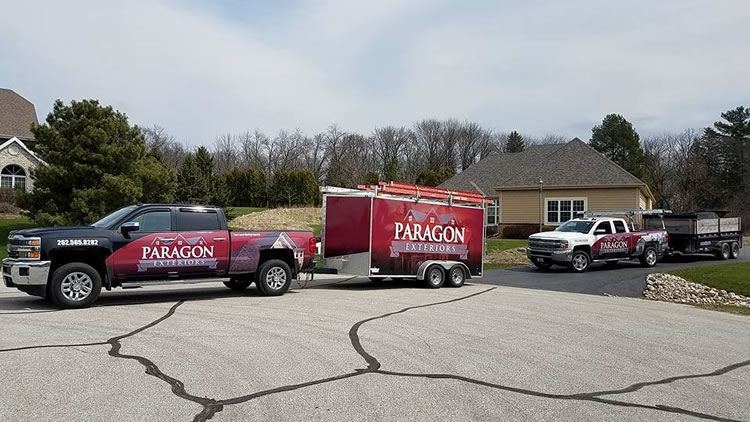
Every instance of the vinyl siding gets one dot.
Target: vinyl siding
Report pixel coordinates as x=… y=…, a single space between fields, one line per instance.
x=522 y=206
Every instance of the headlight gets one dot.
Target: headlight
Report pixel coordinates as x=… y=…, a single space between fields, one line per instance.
x=24 y=247
x=563 y=244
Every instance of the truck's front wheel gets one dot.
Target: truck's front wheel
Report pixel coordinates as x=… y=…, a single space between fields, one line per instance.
x=274 y=278
x=580 y=261
x=75 y=285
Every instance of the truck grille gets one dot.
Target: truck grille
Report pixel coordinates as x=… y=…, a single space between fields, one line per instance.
x=548 y=244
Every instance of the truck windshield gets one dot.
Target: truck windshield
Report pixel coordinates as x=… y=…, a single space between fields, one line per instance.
x=576 y=226
x=109 y=219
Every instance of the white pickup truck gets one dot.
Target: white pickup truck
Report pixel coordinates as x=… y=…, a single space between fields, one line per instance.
x=579 y=242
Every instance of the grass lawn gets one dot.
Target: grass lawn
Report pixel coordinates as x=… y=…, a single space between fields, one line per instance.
x=234 y=212
x=316 y=229
x=499 y=245
x=6 y=225
x=742 y=310
x=495 y=266
x=730 y=277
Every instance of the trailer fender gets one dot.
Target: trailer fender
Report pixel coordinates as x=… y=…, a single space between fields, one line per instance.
x=447 y=265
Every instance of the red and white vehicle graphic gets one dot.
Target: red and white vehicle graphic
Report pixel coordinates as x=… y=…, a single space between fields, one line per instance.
x=579 y=242
x=404 y=231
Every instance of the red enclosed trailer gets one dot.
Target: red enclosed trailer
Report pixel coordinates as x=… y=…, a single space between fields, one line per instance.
x=400 y=230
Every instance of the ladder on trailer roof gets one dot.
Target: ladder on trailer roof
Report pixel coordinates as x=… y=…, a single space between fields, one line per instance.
x=625 y=212
x=426 y=192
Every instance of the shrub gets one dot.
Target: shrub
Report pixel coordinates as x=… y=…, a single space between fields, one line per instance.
x=522 y=231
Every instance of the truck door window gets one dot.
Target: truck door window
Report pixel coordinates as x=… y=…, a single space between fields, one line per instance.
x=604 y=225
x=619 y=226
x=154 y=221
x=197 y=220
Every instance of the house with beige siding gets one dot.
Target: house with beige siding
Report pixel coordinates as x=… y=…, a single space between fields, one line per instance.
x=550 y=184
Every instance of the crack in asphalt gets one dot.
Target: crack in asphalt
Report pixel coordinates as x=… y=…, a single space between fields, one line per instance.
x=213 y=406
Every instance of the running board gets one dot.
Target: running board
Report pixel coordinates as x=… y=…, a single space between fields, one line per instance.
x=134 y=284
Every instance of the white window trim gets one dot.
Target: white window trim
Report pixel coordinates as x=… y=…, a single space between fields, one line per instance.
x=497 y=215
x=546 y=204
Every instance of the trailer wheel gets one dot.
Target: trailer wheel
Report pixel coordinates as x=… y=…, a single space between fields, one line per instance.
x=75 y=285
x=435 y=277
x=456 y=276
x=580 y=262
x=239 y=284
x=735 y=250
x=274 y=278
x=725 y=252
x=649 y=257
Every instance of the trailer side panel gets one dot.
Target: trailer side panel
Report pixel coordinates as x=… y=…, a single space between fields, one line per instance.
x=407 y=233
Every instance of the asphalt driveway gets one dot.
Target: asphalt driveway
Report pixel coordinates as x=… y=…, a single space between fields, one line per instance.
x=628 y=278
x=357 y=351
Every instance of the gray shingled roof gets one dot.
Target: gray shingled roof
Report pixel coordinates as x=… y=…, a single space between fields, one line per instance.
x=574 y=163
x=16 y=115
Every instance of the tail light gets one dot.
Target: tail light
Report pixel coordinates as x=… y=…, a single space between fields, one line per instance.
x=313 y=245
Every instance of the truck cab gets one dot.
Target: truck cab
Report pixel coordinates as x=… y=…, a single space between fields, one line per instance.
x=579 y=242
x=149 y=244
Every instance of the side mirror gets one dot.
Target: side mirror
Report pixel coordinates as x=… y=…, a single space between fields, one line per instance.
x=130 y=226
x=600 y=231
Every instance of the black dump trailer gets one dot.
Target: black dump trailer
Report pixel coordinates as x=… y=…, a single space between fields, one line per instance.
x=700 y=232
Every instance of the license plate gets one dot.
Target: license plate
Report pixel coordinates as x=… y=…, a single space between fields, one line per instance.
x=540 y=260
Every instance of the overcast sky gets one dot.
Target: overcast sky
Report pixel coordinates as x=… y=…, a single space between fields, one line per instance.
x=539 y=67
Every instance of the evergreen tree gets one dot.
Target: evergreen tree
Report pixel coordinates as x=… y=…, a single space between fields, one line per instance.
x=515 y=142
x=193 y=186
x=434 y=177
x=96 y=162
x=617 y=140
x=727 y=145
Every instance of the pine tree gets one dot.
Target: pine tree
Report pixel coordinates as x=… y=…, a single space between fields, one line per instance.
x=617 y=140
x=515 y=142
x=96 y=162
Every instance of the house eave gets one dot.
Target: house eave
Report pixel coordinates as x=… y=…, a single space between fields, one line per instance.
x=642 y=186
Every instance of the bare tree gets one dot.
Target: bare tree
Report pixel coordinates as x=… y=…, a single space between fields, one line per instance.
x=315 y=157
x=160 y=143
x=388 y=146
x=225 y=153
x=472 y=142
x=252 y=149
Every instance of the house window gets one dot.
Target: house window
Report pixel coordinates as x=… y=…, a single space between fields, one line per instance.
x=493 y=213
x=13 y=177
x=560 y=210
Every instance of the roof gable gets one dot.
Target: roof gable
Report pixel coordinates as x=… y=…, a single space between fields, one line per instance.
x=16 y=115
x=23 y=146
x=573 y=163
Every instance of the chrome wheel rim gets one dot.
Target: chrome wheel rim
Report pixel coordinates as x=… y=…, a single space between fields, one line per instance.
x=580 y=262
x=76 y=286
x=276 y=278
x=436 y=276
x=457 y=276
x=725 y=251
x=651 y=257
x=735 y=249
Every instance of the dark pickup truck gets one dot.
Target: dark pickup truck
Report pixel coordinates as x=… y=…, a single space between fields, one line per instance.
x=150 y=244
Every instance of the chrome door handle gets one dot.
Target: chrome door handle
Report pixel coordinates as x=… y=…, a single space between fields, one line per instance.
x=220 y=239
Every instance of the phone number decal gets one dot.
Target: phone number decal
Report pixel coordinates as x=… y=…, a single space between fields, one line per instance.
x=77 y=242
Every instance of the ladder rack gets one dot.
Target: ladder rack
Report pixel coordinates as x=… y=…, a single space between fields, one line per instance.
x=625 y=212
x=426 y=192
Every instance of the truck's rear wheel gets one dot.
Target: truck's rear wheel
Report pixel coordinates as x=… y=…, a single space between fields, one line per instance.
x=75 y=285
x=456 y=277
x=239 y=284
x=580 y=261
x=725 y=252
x=434 y=277
x=649 y=257
x=735 y=250
x=274 y=278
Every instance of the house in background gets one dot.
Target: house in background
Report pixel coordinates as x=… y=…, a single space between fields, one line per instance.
x=16 y=158
x=574 y=178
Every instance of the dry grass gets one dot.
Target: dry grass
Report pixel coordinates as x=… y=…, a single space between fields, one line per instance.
x=280 y=218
